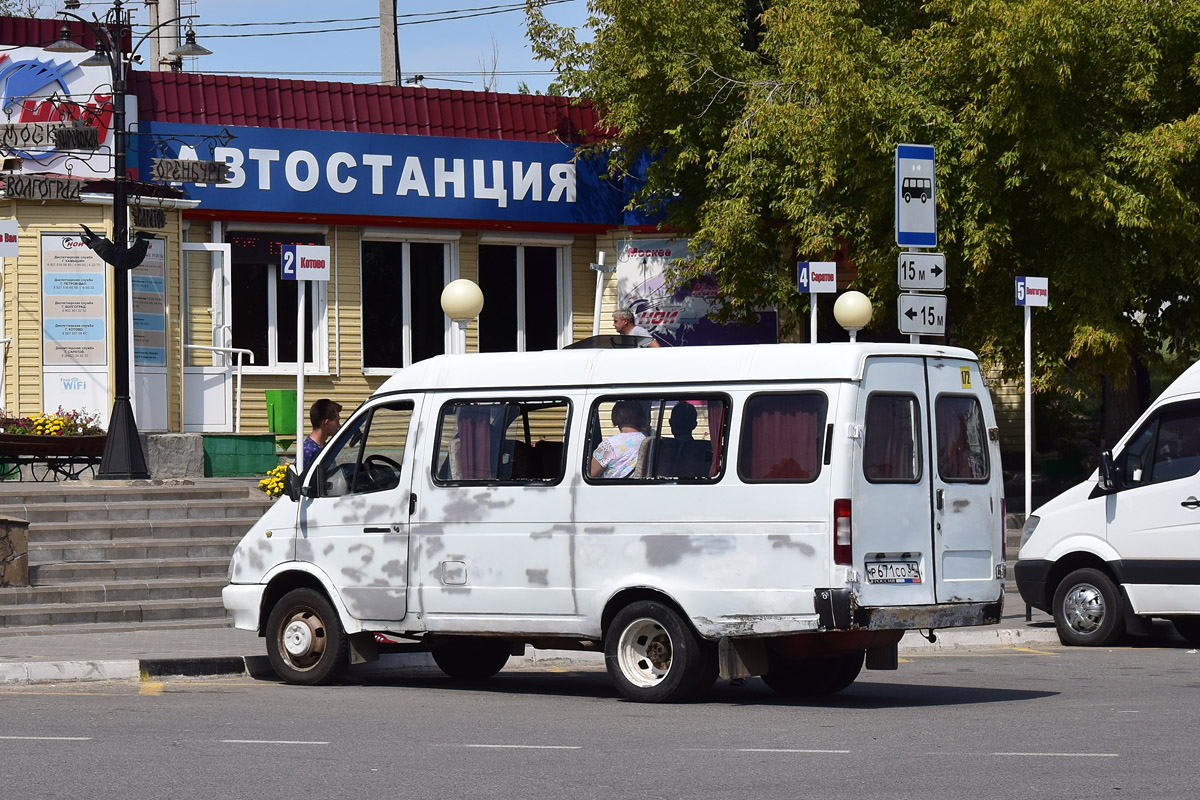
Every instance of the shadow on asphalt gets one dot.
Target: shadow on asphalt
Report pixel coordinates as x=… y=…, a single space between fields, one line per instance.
x=594 y=685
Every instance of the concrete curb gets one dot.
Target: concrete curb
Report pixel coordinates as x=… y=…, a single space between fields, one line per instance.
x=422 y=664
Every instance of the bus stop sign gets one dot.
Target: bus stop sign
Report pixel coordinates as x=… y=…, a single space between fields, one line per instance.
x=916 y=196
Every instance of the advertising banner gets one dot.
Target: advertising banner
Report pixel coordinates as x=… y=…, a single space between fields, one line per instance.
x=149 y=304
x=679 y=316
x=74 y=326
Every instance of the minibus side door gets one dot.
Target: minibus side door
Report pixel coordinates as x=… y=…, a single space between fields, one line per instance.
x=355 y=525
x=967 y=490
x=891 y=515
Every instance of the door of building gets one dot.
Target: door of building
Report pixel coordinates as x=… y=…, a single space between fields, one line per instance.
x=207 y=370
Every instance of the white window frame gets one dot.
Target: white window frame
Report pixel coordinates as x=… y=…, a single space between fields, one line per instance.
x=317 y=290
x=450 y=272
x=562 y=244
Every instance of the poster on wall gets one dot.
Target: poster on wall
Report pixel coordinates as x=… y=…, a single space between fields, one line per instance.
x=149 y=309
x=681 y=315
x=74 y=326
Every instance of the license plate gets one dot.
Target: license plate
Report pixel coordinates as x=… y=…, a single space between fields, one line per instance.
x=893 y=572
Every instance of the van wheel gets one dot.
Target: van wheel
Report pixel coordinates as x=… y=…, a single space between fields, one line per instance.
x=471 y=659
x=305 y=640
x=653 y=655
x=1188 y=628
x=816 y=677
x=1088 y=610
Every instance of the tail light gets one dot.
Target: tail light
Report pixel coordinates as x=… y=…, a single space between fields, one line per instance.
x=1003 y=530
x=843 y=537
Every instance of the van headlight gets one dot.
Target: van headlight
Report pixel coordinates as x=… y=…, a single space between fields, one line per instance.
x=1030 y=526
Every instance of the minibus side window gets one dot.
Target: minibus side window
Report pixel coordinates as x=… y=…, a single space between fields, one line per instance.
x=962 y=449
x=1167 y=449
x=892 y=439
x=367 y=454
x=676 y=438
x=782 y=438
x=502 y=441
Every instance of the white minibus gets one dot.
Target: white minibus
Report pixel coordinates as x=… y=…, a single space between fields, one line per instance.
x=787 y=511
x=1109 y=555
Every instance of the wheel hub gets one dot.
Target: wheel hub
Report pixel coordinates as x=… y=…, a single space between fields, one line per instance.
x=298 y=638
x=1084 y=608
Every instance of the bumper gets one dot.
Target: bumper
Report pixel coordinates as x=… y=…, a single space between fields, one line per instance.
x=1030 y=576
x=243 y=601
x=836 y=610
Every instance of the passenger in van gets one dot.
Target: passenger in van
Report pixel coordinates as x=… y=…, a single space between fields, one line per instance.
x=326 y=417
x=617 y=456
x=683 y=456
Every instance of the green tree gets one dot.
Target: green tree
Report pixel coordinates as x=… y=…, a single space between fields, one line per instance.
x=1066 y=131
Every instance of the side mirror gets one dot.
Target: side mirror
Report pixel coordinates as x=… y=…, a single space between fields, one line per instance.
x=291 y=483
x=1110 y=473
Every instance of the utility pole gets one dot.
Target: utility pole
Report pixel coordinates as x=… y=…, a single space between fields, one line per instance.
x=389 y=46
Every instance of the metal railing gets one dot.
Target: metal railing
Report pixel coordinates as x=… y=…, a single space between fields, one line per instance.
x=233 y=351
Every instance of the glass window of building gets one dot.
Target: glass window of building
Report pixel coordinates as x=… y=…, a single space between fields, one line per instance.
x=523 y=288
x=402 y=319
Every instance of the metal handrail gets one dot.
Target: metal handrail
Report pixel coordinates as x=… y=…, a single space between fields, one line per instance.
x=239 y=352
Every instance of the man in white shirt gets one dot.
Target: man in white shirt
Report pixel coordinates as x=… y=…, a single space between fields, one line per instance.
x=623 y=323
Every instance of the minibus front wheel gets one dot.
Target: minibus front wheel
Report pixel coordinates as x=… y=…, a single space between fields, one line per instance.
x=305 y=640
x=654 y=656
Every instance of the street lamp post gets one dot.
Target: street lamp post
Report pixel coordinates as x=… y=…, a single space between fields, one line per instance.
x=123 y=456
x=462 y=301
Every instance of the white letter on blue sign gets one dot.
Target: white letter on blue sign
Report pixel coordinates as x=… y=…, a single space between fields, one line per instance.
x=376 y=163
x=496 y=191
x=312 y=171
x=457 y=176
x=335 y=180
x=233 y=162
x=526 y=180
x=562 y=178
x=412 y=179
x=264 y=159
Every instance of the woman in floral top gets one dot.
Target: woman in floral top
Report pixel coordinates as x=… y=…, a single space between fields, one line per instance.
x=617 y=456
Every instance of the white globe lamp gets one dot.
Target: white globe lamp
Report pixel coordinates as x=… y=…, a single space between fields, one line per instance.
x=852 y=311
x=462 y=300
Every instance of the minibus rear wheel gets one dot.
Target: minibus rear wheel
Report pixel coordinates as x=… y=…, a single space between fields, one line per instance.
x=653 y=655
x=814 y=677
x=1087 y=609
x=305 y=640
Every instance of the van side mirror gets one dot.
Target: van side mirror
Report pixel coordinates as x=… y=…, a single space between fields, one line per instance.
x=291 y=483
x=1110 y=473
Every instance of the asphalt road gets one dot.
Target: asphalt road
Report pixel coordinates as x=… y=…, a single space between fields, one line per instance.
x=999 y=723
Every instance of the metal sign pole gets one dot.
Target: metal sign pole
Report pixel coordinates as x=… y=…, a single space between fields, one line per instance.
x=813 y=322
x=1028 y=412
x=300 y=302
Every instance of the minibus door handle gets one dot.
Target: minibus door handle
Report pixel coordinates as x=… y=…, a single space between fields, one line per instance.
x=1191 y=502
x=941 y=499
x=412 y=503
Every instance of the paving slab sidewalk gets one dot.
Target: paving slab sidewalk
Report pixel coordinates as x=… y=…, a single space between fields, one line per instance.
x=41 y=655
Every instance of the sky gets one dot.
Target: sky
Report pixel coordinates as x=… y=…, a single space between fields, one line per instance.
x=451 y=54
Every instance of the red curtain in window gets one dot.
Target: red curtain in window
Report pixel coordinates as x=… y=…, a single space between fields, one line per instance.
x=783 y=440
x=474 y=442
x=716 y=424
x=888 y=450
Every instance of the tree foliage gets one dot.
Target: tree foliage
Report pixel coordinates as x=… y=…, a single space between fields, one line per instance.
x=1066 y=131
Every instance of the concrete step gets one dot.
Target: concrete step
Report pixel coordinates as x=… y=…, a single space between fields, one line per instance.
x=134 y=510
x=116 y=611
x=128 y=570
x=100 y=492
x=138 y=530
x=101 y=592
x=116 y=627
x=125 y=549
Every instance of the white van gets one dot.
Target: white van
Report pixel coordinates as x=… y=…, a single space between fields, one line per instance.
x=1107 y=556
x=775 y=510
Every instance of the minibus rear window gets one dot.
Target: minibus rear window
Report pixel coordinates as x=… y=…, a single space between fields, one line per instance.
x=892 y=440
x=782 y=438
x=962 y=445
x=502 y=441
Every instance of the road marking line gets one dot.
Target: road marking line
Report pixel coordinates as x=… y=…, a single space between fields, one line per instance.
x=785 y=750
x=46 y=738
x=1035 y=652
x=266 y=741
x=151 y=689
x=1062 y=755
x=521 y=746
